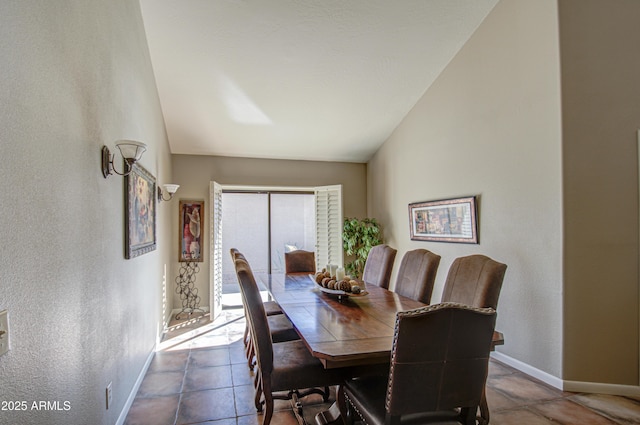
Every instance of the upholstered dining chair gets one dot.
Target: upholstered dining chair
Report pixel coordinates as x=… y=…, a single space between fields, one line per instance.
x=377 y=268
x=439 y=367
x=475 y=280
x=281 y=328
x=284 y=367
x=417 y=274
x=271 y=307
x=300 y=261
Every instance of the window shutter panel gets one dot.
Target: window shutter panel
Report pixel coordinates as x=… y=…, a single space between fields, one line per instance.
x=329 y=223
x=215 y=254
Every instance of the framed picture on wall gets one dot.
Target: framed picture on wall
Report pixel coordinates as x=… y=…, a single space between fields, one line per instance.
x=191 y=230
x=448 y=220
x=140 y=212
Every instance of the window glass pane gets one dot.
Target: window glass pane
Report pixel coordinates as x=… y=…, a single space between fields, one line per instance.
x=292 y=226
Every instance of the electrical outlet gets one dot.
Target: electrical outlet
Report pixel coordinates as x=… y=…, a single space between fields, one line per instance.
x=4 y=332
x=109 y=396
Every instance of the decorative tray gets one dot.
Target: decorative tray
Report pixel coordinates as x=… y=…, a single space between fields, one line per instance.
x=337 y=292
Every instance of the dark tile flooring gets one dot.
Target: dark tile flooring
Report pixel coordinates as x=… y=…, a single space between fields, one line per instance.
x=199 y=376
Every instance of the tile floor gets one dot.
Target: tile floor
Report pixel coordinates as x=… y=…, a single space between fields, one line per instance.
x=199 y=376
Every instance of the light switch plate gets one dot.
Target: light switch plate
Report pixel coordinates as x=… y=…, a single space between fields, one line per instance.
x=4 y=327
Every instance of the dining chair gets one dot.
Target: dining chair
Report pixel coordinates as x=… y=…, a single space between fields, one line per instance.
x=475 y=280
x=439 y=367
x=417 y=274
x=281 y=328
x=377 y=268
x=300 y=261
x=284 y=367
x=271 y=307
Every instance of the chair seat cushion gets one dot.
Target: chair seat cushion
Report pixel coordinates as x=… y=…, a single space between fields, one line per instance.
x=281 y=329
x=272 y=308
x=295 y=368
x=367 y=396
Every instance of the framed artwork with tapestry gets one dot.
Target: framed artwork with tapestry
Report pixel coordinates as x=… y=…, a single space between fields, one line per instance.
x=448 y=220
x=140 y=212
x=191 y=226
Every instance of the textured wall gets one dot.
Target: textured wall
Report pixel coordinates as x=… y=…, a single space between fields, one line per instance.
x=75 y=75
x=194 y=172
x=601 y=115
x=490 y=126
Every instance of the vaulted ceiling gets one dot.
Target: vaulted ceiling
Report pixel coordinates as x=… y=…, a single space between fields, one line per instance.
x=298 y=79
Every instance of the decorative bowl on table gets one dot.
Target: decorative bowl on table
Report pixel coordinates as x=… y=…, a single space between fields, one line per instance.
x=345 y=287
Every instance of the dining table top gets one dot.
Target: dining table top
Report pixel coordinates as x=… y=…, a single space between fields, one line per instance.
x=342 y=331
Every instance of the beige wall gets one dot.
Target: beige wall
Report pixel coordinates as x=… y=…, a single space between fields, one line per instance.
x=601 y=115
x=490 y=126
x=193 y=173
x=75 y=75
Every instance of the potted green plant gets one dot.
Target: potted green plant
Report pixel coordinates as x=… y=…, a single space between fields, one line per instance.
x=359 y=236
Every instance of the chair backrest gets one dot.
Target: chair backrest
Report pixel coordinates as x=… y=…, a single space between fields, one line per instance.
x=235 y=254
x=417 y=274
x=300 y=261
x=260 y=332
x=440 y=358
x=377 y=268
x=475 y=280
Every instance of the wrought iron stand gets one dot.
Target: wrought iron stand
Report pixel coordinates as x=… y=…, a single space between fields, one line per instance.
x=186 y=288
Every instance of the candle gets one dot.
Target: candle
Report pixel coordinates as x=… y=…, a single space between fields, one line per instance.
x=339 y=273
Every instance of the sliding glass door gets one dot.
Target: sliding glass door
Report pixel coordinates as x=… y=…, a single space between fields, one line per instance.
x=264 y=224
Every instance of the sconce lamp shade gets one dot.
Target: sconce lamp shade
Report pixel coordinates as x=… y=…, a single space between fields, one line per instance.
x=131 y=150
x=171 y=188
x=168 y=188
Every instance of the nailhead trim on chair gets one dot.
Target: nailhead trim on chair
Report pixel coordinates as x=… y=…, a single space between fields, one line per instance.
x=355 y=409
x=444 y=305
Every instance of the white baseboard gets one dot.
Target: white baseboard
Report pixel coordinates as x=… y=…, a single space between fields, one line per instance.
x=134 y=390
x=529 y=370
x=571 y=386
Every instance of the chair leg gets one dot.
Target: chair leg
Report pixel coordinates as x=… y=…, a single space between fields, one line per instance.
x=297 y=407
x=484 y=410
x=468 y=415
x=268 y=403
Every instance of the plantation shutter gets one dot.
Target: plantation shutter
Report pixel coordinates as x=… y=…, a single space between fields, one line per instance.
x=329 y=226
x=215 y=253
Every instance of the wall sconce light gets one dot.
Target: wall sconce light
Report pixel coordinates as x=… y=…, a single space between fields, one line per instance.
x=130 y=150
x=168 y=188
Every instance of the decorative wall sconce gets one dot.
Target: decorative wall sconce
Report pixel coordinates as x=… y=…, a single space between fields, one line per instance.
x=130 y=150
x=168 y=188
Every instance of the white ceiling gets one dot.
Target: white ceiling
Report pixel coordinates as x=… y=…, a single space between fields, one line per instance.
x=298 y=79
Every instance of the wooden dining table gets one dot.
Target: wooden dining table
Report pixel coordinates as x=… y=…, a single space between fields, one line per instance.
x=342 y=331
